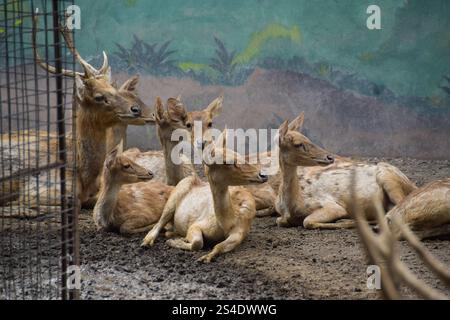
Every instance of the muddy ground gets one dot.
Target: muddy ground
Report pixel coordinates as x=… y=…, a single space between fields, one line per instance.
x=273 y=263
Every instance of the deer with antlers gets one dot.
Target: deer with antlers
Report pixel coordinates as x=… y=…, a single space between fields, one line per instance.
x=128 y=202
x=317 y=197
x=100 y=106
x=382 y=248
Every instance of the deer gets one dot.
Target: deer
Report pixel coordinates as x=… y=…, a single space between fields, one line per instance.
x=100 y=106
x=128 y=201
x=168 y=119
x=426 y=211
x=317 y=197
x=382 y=250
x=220 y=210
x=177 y=117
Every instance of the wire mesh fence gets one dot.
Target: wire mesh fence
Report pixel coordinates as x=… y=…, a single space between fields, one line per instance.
x=38 y=215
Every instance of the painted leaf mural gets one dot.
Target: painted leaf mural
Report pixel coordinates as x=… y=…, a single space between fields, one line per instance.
x=273 y=59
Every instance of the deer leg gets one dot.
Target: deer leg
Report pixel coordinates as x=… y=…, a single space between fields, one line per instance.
x=233 y=240
x=134 y=226
x=265 y=212
x=166 y=217
x=192 y=242
x=325 y=218
x=170 y=234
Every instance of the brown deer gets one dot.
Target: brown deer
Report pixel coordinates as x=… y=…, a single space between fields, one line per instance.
x=426 y=210
x=383 y=251
x=219 y=211
x=317 y=197
x=174 y=117
x=127 y=201
x=100 y=105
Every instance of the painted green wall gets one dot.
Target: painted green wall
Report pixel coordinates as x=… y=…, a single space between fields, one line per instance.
x=409 y=55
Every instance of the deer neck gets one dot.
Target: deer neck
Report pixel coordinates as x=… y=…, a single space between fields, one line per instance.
x=289 y=188
x=174 y=172
x=223 y=207
x=91 y=146
x=106 y=202
x=116 y=134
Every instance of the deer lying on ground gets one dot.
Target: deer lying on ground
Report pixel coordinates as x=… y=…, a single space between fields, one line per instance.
x=318 y=197
x=100 y=106
x=177 y=117
x=426 y=210
x=167 y=121
x=383 y=251
x=218 y=211
x=125 y=202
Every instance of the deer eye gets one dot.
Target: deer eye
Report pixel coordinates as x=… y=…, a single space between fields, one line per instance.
x=127 y=166
x=99 y=98
x=300 y=146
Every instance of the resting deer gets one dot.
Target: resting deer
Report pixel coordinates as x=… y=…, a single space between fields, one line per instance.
x=125 y=202
x=318 y=197
x=174 y=117
x=383 y=251
x=219 y=211
x=100 y=106
x=426 y=210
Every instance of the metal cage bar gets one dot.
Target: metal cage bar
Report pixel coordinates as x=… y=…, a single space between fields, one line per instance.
x=39 y=242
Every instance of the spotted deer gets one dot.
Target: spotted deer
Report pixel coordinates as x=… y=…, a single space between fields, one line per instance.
x=100 y=105
x=220 y=211
x=426 y=211
x=317 y=197
x=128 y=202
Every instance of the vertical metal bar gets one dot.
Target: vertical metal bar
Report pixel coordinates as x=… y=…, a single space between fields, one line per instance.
x=61 y=146
x=75 y=206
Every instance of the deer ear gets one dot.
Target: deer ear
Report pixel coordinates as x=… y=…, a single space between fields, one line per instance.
x=130 y=84
x=209 y=154
x=111 y=157
x=283 y=129
x=107 y=74
x=176 y=110
x=80 y=87
x=297 y=123
x=159 y=110
x=222 y=139
x=215 y=107
x=119 y=147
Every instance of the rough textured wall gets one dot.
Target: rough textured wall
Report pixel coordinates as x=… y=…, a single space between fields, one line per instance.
x=365 y=92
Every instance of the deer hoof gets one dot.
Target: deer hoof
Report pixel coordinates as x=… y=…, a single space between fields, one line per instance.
x=207 y=258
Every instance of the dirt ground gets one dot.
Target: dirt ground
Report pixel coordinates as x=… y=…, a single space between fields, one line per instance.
x=272 y=263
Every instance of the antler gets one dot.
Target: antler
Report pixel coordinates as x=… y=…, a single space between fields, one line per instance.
x=382 y=250
x=39 y=60
x=67 y=35
x=89 y=70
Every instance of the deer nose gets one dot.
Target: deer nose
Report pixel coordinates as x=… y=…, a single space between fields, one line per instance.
x=135 y=110
x=263 y=177
x=330 y=158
